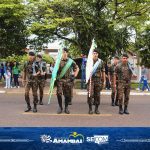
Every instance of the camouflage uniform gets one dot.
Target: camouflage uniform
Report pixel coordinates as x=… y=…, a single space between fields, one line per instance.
x=41 y=80
x=65 y=84
x=114 y=94
x=94 y=87
x=31 y=82
x=124 y=75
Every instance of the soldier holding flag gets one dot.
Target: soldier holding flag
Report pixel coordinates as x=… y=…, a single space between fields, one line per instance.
x=95 y=82
x=67 y=72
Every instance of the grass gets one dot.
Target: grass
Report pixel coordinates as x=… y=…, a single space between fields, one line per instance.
x=78 y=85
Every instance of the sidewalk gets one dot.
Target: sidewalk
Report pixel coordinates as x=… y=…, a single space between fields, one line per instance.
x=75 y=91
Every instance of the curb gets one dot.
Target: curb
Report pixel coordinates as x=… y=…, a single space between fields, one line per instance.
x=1 y=92
x=79 y=93
x=109 y=93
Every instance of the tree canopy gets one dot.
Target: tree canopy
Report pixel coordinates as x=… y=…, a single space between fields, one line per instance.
x=13 y=33
x=76 y=22
x=79 y=22
x=142 y=46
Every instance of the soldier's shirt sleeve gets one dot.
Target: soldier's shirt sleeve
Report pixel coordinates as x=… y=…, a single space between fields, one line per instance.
x=75 y=66
x=37 y=67
x=24 y=67
x=116 y=70
x=109 y=69
x=103 y=67
x=44 y=67
x=113 y=69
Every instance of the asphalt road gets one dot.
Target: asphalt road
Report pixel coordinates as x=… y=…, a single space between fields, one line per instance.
x=12 y=113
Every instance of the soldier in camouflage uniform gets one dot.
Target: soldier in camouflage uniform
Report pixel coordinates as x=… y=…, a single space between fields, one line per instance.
x=41 y=77
x=31 y=72
x=95 y=84
x=64 y=84
x=124 y=73
x=111 y=72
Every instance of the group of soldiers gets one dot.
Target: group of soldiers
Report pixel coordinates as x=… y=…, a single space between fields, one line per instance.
x=34 y=77
x=120 y=74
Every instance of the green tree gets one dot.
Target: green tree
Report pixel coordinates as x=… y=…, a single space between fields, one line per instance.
x=79 y=22
x=143 y=47
x=13 y=33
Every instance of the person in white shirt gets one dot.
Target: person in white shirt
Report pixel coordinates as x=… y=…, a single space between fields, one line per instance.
x=7 y=75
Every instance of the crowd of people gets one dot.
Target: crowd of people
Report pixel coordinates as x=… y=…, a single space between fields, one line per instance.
x=9 y=73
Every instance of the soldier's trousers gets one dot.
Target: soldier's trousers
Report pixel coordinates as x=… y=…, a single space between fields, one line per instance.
x=34 y=87
x=124 y=92
x=114 y=93
x=41 y=85
x=64 y=87
x=72 y=84
x=94 y=89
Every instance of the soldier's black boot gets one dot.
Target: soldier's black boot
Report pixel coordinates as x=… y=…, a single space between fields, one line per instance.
x=28 y=108
x=90 y=109
x=37 y=101
x=96 y=110
x=41 y=102
x=112 y=102
x=67 y=110
x=60 y=109
x=126 y=110
x=66 y=105
x=120 y=110
x=70 y=101
x=35 y=108
x=116 y=102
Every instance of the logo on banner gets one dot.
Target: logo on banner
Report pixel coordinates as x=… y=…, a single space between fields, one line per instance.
x=98 y=139
x=46 y=139
x=73 y=138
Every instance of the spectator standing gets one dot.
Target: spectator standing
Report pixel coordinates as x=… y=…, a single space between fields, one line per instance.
x=16 y=71
x=143 y=78
x=107 y=66
x=8 y=78
x=2 y=71
x=83 y=76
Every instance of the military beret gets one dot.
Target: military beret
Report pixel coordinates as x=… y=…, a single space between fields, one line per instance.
x=65 y=49
x=125 y=55
x=39 y=56
x=117 y=57
x=31 y=53
x=95 y=50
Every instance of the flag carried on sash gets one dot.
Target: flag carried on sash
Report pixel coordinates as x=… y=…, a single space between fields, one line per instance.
x=66 y=67
x=54 y=73
x=89 y=64
x=98 y=62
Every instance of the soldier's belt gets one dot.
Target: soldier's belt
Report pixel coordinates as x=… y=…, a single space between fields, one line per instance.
x=32 y=81
x=124 y=81
x=41 y=78
x=96 y=77
x=64 y=80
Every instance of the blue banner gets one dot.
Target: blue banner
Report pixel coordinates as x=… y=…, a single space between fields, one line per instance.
x=74 y=138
